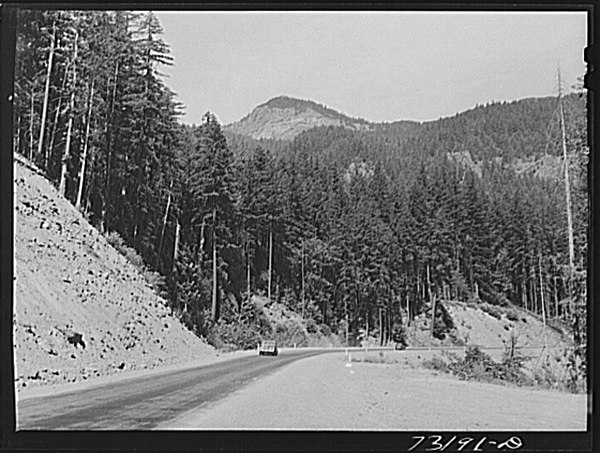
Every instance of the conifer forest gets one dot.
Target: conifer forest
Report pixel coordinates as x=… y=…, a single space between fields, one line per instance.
x=353 y=229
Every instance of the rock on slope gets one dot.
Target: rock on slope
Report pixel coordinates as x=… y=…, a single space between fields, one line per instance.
x=69 y=281
x=283 y=118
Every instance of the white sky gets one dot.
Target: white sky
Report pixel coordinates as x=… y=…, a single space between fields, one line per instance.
x=381 y=66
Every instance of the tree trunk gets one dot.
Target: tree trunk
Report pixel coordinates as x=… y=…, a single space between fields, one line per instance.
x=556 y=311
x=408 y=314
x=55 y=124
x=432 y=298
x=533 y=291
x=31 y=127
x=381 y=329
x=568 y=199
x=200 y=251
x=248 y=270
x=85 y=149
x=347 y=320
x=270 y=262
x=176 y=246
x=302 y=267
x=109 y=154
x=215 y=301
x=45 y=103
x=390 y=325
x=62 y=189
x=542 y=299
x=164 y=226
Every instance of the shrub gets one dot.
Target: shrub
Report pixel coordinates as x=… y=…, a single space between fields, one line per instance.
x=477 y=365
x=154 y=279
x=436 y=363
x=115 y=239
x=379 y=357
x=311 y=326
x=230 y=336
x=565 y=372
x=325 y=330
x=491 y=310
x=576 y=359
x=289 y=333
x=511 y=369
x=157 y=282
x=512 y=314
x=459 y=341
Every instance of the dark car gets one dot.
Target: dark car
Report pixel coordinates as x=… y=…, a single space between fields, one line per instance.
x=268 y=347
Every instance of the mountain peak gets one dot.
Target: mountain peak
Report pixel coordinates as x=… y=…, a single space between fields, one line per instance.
x=283 y=101
x=284 y=117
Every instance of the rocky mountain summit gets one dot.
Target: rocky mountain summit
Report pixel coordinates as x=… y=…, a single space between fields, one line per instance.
x=285 y=117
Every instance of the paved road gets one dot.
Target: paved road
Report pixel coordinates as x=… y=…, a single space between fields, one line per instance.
x=146 y=402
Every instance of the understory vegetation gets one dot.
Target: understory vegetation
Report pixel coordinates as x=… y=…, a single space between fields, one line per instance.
x=563 y=372
x=353 y=231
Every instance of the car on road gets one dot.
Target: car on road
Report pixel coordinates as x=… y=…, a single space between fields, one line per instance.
x=268 y=347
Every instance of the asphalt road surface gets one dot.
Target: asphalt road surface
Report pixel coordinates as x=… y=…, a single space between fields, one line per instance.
x=145 y=402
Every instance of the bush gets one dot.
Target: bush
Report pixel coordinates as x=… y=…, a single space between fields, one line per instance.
x=231 y=336
x=566 y=372
x=491 y=310
x=371 y=357
x=459 y=341
x=479 y=366
x=436 y=363
x=475 y=365
x=512 y=315
x=289 y=333
x=325 y=330
x=311 y=326
x=115 y=239
x=157 y=282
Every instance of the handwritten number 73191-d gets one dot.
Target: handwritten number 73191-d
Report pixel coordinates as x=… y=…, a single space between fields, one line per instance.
x=456 y=443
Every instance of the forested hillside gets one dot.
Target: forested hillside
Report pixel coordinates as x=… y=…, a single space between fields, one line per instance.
x=353 y=229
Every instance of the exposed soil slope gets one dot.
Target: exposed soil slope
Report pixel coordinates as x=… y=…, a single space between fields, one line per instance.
x=71 y=289
x=474 y=326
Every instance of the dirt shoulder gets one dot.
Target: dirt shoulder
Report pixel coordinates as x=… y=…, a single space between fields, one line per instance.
x=329 y=393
